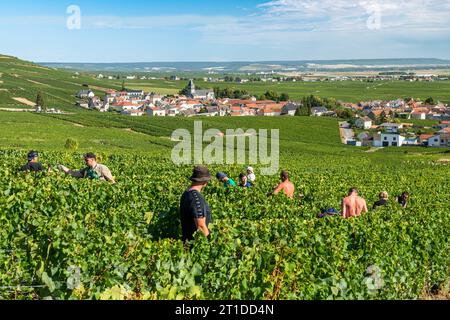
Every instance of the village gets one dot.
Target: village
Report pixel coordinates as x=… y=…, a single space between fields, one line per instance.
x=195 y=103
x=372 y=123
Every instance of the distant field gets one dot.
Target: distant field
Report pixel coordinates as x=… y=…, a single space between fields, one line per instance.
x=349 y=91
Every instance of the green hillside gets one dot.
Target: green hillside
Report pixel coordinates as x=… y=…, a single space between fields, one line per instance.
x=21 y=79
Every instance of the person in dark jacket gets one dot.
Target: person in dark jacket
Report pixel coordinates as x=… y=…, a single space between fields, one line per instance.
x=403 y=199
x=33 y=164
x=195 y=212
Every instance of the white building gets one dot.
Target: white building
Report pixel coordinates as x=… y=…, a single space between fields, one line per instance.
x=156 y=112
x=441 y=139
x=392 y=127
x=132 y=113
x=389 y=140
x=84 y=94
x=364 y=123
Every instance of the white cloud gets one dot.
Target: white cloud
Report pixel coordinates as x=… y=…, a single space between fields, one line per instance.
x=340 y=13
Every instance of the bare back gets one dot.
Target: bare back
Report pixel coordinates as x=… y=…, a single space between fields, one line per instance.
x=288 y=188
x=353 y=206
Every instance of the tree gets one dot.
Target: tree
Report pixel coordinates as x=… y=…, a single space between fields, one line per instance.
x=345 y=113
x=430 y=101
x=382 y=118
x=184 y=92
x=271 y=95
x=303 y=110
x=40 y=100
x=284 y=97
x=71 y=144
x=123 y=85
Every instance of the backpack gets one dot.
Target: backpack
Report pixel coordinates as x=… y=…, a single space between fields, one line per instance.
x=329 y=212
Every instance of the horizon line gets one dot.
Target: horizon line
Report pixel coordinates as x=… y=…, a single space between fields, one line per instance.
x=241 y=61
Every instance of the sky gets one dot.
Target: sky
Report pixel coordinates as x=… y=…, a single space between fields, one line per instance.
x=227 y=30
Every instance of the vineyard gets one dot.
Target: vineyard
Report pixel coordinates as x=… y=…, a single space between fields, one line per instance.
x=63 y=238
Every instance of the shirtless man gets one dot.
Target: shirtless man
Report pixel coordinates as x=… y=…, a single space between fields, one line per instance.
x=353 y=205
x=286 y=186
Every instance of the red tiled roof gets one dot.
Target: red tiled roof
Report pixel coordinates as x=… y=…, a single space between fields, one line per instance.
x=425 y=136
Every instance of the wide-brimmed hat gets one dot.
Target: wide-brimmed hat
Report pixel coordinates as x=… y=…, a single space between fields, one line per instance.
x=200 y=174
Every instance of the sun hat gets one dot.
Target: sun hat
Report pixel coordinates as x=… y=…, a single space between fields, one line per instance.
x=200 y=174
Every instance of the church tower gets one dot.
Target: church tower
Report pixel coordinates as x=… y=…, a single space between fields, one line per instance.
x=191 y=87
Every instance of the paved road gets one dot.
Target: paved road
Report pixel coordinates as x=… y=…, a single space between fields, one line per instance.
x=346 y=133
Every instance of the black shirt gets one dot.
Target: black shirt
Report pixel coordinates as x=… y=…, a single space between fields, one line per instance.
x=193 y=206
x=380 y=203
x=402 y=202
x=32 y=167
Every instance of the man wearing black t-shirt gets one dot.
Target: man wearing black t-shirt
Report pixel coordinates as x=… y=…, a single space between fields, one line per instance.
x=195 y=212
x=33 y=164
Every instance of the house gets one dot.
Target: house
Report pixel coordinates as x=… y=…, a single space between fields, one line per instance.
x=132 y=113
x=374 y=114
x=444 y=124
x=318 y=111
x=188 y=113
x=269 y=111
x=444 y=131
x=94 y=103
x=441 y=139
x=156 y=112
x=85 y=94
x=125 y=105
x=391 y=127
x=172 y=111
x=363 y=123
x=423 y=139
x=389 y=140
x=419 y=115
x=153 y=98
x=289 y=109
x=135 y=93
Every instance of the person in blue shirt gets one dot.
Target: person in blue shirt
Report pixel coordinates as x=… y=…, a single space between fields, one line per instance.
x=243 y=181
x=227 y=182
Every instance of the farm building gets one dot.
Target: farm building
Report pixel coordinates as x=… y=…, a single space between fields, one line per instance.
x=389 y=140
